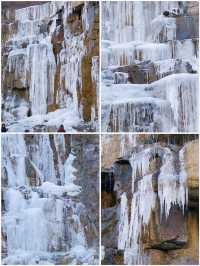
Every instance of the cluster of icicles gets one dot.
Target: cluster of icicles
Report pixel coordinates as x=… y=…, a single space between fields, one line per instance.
x=172 y=190
x=41 y=220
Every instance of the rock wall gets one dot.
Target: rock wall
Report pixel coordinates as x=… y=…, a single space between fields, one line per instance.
x=50 y=65
x=150 y=197
x=192 y=169
x=47 y=214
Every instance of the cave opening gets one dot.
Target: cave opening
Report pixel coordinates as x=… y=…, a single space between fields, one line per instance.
x=107 y=189
x=78 y=10
x=123 y=177
x=107 y=181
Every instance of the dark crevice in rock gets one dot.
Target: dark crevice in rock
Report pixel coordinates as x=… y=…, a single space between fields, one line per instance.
x=170 y=244
x=108 y=195
x=55 y=159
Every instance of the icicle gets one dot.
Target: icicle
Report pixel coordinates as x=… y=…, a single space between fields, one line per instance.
x=123 y=223
x=143 y=202
x=42 y=78
x=172 y=186
x=45 y=165
x=13 y=159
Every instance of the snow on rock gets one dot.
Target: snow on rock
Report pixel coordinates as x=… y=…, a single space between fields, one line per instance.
x=52 y=189
x=82 y=254
x=52 y=120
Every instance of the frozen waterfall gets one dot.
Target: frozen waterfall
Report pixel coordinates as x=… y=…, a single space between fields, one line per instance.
x=171 y=191
x=43 y=78
x=42 y=210
x=149 y=67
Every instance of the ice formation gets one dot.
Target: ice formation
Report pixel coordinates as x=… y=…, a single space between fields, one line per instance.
x=172 y=186
x=171 y=191
x=42 y=71
x=127 y=143
x=149 y=80
x=143 y=202
x=123 y=225
x=41 y=220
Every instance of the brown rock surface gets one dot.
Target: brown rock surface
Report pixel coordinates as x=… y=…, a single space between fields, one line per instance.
x=192 y=163
x=87 y=153
x=107 y=199
x=192 y=8
x=74 y=21
x=88 y=96
x=139 y=73
x=110 y=150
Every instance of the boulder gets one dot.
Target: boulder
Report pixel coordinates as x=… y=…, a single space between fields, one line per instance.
x=187 y=27
x=141 y=73
x=192 y=8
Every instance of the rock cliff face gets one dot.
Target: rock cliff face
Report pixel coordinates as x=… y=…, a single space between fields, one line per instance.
x=150 y=199
x=149 y=66
x=48 y=216
x=50 y=65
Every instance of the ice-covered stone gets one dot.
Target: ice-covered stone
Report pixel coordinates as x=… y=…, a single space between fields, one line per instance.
x=144 y=45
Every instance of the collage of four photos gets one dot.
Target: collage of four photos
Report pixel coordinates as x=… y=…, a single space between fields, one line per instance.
x=99 y=132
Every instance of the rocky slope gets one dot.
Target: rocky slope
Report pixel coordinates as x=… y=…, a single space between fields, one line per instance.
x=48 y=216
x=50 y=65
x=149 y=66
x=150 y=199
